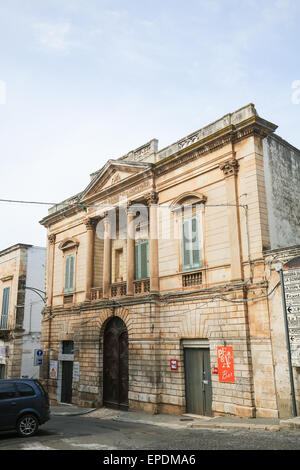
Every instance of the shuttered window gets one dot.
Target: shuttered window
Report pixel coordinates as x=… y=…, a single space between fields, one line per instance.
x=141 y=259
x=70 y=273
x=4 y=311
x=191 y=243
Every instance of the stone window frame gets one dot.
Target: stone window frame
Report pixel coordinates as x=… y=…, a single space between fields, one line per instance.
x=6 y=282
x=69 y=246
x=190 y=198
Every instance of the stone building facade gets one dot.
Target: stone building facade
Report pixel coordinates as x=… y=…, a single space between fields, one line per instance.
x=22 y=275
x=157 y=288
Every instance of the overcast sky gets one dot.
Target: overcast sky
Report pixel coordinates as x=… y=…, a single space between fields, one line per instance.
x=82 y=81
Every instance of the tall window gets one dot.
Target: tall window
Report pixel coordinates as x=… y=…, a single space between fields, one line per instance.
x=69 y=273
x=4 y=311
x=191 y=243
x=141 y=259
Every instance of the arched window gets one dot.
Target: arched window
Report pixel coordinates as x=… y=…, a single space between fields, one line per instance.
x=69 y=248
x=188 y=210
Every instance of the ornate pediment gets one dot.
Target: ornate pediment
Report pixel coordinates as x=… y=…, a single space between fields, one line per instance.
x=112 y=174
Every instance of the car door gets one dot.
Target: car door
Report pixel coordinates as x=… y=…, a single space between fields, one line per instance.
x=27 y=398
x=8 y=404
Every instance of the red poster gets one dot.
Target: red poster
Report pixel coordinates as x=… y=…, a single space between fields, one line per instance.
x=173 y=364
x=225 y=363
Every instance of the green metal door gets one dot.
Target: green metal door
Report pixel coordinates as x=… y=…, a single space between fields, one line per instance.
x=198 y=381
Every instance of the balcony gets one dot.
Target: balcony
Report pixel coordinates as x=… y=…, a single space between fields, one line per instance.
x=96 y=293
x=3 y=322
x=119 y=289
x=192 y=279
x=141 y=286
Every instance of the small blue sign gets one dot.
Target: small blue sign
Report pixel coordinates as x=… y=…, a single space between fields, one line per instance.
x=38 y=357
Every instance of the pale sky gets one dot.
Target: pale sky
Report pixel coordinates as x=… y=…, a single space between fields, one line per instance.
x=82 y=81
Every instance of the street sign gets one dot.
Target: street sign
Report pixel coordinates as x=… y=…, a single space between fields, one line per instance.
x=38 y=357
x=291 y=277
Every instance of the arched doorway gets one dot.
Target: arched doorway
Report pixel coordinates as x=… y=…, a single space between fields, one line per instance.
x=115 y=364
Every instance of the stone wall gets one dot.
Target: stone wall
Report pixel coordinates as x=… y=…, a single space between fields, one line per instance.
x=156 y=330
x=282 y=174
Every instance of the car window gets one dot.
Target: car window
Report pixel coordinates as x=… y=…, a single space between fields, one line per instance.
x=25 y=390
x=7 y=391
x=41 y=388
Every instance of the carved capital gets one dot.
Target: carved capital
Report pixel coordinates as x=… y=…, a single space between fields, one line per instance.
x=90 y=223
x=230 y=167
x=106 y=218
x=131 y=208
x=152 y=198
x=51 y=239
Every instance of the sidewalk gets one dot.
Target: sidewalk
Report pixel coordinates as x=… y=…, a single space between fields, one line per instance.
x=179 y=421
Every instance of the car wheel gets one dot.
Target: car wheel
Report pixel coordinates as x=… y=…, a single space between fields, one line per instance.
x=27 y=425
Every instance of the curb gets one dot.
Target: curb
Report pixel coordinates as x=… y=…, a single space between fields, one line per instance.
x=289 y=424
x=249 y=427
x=151 y=423
x=293 y=424
x=206 y=424
x=78 y=413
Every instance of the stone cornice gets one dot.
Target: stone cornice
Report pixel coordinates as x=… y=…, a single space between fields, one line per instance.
x=141 y=182
x=254 y=126
x=228 y=135
x=121 y=187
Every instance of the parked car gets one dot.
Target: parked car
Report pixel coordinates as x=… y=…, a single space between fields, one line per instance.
x=24 y=406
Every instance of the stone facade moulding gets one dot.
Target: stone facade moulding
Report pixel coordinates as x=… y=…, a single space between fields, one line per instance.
x=68 y=243
x=229 y=167
x=211 y=306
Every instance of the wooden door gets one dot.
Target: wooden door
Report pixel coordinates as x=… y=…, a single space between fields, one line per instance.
x=67 y=380
x=198 y=381
x=115 y=365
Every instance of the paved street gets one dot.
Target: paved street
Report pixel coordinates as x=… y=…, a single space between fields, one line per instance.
x=89 y=433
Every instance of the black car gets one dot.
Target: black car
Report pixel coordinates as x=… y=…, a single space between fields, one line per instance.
x=24 y=406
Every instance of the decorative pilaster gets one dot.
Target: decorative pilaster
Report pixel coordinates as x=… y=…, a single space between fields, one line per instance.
x=130 y=249
x=90 y=230
x=230 y=169
x=51 y=255
x=107 y=257
x=152 y=201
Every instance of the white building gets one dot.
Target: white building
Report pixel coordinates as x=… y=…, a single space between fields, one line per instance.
x=22 y=280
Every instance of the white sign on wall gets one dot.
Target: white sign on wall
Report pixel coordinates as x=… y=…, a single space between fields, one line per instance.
x=53 y=369
x=76 y=372
x=292 y=298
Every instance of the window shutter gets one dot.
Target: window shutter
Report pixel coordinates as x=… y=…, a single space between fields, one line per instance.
x=196 y=242
x=137 y=262
x=186 y=237
x=144 y=259
x=67 y=274
x=5 y=301
x=191 y=243
x=70 y=273
x=4 y=311
x=141 y=260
